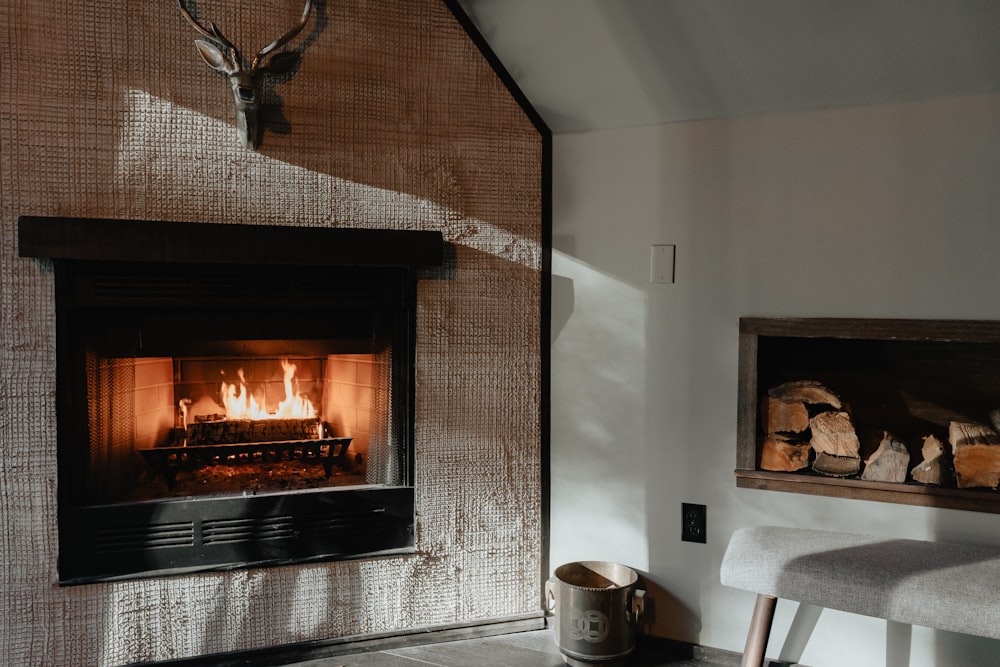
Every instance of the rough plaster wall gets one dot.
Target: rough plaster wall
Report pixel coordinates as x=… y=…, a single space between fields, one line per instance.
x=106 y=110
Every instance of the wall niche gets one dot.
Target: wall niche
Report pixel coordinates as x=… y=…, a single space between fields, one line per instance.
x=896 y=383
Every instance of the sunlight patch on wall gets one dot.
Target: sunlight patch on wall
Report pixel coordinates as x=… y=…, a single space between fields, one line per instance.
x=154 y=161
x=598 y=417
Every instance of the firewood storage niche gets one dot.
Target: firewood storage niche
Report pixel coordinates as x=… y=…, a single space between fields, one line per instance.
x=902 y=411
x=230 y=396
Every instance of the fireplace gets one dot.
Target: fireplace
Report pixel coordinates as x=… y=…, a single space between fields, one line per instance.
x=231 y=396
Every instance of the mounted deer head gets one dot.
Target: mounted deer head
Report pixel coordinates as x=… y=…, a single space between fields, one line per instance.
x=221 y=55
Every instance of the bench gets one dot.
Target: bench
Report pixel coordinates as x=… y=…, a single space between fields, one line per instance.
x=939 y=585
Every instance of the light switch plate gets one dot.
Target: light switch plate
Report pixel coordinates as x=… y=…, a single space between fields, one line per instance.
x=661 y=263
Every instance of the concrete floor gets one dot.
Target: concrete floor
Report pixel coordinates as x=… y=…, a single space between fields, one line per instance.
x=524 y=649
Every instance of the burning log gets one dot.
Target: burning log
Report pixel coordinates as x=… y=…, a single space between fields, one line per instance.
x=835 y=443
x=889 y=463
x=976 y=451
x=232 y=431
x=932 y=470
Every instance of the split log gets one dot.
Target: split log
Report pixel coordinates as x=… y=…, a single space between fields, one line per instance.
x=836 y=444
x=836 y=466
x=783 y=416
x=781 y=454
x=784 y=408
x=833 y=433
x=805 y=391
x=888 y=463
x=932 y=412
x=933 y=469
x=995 y=418
x=976 y=452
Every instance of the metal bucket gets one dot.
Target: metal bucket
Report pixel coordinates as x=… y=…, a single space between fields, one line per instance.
x=598 y=606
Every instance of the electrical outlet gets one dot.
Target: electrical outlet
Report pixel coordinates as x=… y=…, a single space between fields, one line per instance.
x=693 y=527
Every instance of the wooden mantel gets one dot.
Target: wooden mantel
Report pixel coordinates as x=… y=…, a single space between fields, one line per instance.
x=156 y=241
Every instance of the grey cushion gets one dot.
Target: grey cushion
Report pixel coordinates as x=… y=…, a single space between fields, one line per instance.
x=936 y=584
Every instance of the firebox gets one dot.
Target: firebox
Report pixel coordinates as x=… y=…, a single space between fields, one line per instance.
x=231 y=396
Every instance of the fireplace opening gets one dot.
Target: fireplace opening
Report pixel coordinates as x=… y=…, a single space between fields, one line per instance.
x=178 y=426
x=222 y=414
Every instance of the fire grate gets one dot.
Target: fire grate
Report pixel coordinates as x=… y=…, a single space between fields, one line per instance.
x=168 y=461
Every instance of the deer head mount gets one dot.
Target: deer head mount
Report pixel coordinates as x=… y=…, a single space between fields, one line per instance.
x=245 y=78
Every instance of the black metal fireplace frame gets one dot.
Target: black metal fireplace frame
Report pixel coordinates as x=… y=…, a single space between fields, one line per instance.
x=96 y=262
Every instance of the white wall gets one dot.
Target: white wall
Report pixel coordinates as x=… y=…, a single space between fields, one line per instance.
x=889 y=211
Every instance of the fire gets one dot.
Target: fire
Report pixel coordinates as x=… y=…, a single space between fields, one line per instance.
x=241 y=404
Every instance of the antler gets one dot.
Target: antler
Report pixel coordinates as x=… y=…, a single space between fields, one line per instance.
x=212 y=32
x=244 y=81
x=284 y=39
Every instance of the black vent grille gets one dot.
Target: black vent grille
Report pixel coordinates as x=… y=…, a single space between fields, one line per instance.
x=138 y=538
x=120 y=540
x=320 y=525
x=255 y=529
x=136 y=287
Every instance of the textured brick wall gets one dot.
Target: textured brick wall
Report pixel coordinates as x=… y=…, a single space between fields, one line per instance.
x=347 y=402
x=393 y=121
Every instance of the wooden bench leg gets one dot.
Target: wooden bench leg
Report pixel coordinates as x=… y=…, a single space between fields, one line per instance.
x=760 y=630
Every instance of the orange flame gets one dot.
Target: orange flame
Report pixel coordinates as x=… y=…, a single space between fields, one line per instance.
x=241 y=404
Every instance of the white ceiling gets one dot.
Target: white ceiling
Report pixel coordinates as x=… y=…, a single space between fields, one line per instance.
x=598 y=64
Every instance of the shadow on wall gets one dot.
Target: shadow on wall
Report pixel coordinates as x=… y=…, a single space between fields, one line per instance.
x=562 y=304
x=598 y=509
x=665 y=615
x=366 y=103
x=600 y=498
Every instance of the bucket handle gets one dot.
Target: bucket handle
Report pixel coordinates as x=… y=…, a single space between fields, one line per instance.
x=635 y=606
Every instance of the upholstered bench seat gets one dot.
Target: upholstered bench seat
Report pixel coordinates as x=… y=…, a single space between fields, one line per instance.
x=940 y=585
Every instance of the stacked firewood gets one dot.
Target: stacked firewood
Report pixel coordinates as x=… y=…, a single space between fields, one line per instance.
x=976 y=450
x=805 y=422
x=807 y=425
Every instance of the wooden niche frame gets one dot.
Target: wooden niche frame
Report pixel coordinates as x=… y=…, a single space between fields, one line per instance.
x=897 y=376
